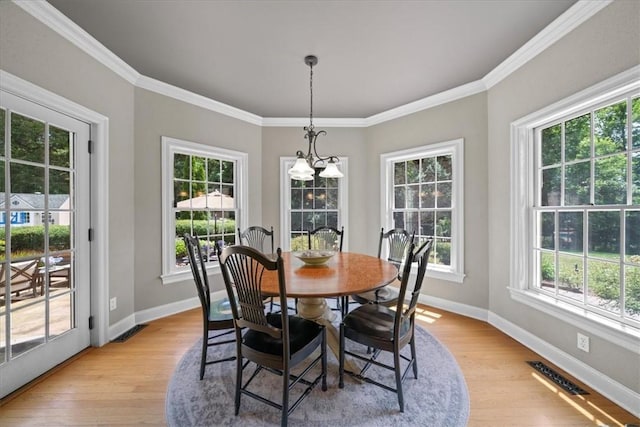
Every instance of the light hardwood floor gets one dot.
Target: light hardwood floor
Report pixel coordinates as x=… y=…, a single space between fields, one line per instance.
x=125 y=383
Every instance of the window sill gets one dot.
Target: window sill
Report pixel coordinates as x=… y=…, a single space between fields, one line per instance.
x=607 y=329
x=448 y=275
x=184 y=275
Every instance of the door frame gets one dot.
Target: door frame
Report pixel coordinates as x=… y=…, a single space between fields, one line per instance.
x=99 y=288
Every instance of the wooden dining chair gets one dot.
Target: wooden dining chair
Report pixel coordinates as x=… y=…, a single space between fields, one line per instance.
x=216 y=315
x=274 y=342
x=386 y=329
x=396 y=242
x=328 y=238
x=325 y=238
x=258 y=238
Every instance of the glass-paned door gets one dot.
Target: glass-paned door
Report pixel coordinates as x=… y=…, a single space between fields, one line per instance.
x=44 y=222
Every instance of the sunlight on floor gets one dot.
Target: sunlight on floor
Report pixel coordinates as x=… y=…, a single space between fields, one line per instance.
x=595 y=408
x=590 y=415
x=427 y=316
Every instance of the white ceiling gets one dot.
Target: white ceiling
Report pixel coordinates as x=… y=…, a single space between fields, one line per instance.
x=373 y=55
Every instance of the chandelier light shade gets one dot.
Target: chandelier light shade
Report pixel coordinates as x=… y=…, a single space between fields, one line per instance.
x=301 y=169
x=331 y=171
x=304 y=167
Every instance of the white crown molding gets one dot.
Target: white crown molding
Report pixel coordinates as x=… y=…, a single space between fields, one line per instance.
x=304 y=121
x=574 y=16
x=561 y=26
x=166 y=89
x=404 y=110
x=26 y=89
x=54 y=19
x=428 y=102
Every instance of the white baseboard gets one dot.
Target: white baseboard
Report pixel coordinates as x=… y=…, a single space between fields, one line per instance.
x=167 y=310
x=614 y=391
x=455 y=307
x=121 y=327
x=159 y=312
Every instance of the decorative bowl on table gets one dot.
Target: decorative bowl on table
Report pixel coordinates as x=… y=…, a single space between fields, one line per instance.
x=314 y=257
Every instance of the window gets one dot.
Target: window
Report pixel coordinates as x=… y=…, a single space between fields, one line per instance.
x=204 y=190
x=423 y=193
x=20 y=218
x=307 y=205
x=576 y=204
x=17 y=218
x=586 y=244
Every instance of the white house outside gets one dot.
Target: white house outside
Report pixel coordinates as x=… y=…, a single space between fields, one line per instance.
x=27 y=209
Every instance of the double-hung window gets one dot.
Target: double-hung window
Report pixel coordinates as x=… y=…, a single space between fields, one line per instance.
x=423 y=194
x=204 y=190
x=576 y=204
x=307 y=205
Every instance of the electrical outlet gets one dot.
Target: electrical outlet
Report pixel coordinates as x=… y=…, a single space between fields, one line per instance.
x=583 y=342
x=113 y=303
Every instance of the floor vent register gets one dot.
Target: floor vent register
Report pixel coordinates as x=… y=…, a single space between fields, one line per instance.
x=558 y=379
x=128 y=334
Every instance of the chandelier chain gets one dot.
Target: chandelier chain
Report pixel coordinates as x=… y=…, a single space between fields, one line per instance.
x=311 y=97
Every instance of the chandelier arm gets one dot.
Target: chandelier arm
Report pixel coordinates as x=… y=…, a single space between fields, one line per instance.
x=309 y=136
x=319 y=158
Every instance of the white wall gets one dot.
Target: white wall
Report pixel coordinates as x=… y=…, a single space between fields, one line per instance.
x=31 y=51
x=465 y=118
x=157 y=116
x=601 y=47
x=345 y=143
x=607 y=44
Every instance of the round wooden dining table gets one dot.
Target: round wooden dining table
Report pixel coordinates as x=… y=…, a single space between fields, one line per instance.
x=346 y=273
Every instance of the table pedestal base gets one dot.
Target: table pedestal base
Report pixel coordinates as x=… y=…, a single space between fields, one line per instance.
x=315 y=309
x=318 y=310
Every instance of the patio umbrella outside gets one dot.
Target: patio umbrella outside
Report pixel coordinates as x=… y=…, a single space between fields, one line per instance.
x=214 y=200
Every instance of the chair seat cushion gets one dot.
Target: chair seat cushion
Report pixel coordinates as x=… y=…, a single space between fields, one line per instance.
x=387 y=295
x=375 y=321
x=301 y=332
x=220 y=310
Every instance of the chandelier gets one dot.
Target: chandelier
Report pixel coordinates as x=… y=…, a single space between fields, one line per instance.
x=304 y=167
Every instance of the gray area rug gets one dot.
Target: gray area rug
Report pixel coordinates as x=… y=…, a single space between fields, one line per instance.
x=438 y=398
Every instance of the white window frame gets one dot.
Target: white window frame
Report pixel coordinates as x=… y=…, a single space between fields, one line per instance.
x=171 y=146
x=455 y=148
x=285 y=201
x=523 y=194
